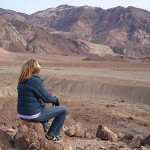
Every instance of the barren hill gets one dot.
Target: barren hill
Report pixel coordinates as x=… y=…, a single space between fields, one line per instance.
x=23 y=36
x=124 y=30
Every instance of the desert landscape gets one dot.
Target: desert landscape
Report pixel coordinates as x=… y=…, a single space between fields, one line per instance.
x=112 y=94
x=95 y=61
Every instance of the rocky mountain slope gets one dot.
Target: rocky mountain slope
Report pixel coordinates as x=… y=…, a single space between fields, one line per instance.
x=126 y=31
x=23 y=36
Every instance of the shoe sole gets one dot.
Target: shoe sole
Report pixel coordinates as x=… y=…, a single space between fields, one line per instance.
x=53 y=140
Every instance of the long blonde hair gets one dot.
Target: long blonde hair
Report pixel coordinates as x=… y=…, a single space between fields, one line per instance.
x=29 y=69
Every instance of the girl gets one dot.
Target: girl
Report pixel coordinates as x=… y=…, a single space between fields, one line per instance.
x=32 y=97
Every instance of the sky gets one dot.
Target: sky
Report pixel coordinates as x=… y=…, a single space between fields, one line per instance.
x=32 y=6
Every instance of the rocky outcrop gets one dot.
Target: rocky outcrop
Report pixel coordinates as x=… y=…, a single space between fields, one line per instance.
x=10 y=39
x=78 y=131
x=12 y=15
x=126 y=30
x=105 y=134
x=146 y=141
x=31 y=136
x=20 y=36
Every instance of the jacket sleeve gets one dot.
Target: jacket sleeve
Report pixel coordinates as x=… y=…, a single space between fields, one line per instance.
x=42 y=93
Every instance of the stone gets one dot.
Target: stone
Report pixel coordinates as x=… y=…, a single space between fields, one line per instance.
x=6 y=141
x=146 y=141
x=105 y=134
x=79 y=148
x=128 y=137
x=143 y=148
x=31 y=136
x=75 y=131
x=136 y=141
x=70 y=132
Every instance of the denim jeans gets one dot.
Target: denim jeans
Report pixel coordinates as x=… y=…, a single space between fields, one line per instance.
x=58 y=113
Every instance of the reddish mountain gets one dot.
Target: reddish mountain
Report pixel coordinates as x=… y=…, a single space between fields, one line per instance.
x=12 y=15
x=10 y=39
x=125 y=30
x=18 y=36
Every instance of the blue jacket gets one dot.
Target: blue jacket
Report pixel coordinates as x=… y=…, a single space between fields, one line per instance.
x=30 y=96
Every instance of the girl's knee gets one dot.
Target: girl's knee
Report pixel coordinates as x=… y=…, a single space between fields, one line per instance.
x=64 y=109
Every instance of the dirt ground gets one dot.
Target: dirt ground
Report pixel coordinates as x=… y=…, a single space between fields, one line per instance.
x=114 y=94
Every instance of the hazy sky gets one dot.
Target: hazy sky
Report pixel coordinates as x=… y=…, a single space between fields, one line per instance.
x=31 y=6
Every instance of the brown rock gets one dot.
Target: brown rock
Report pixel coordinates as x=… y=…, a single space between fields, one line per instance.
x=75 y=130
x=128 y=137
x=88 y=135
x=143 y=148
x=146 y=141
x=30 y=136
x=6 y=141
x=105 y=134
x=136 y=141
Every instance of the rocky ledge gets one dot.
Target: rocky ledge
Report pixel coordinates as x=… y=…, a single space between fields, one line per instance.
x=30 y=136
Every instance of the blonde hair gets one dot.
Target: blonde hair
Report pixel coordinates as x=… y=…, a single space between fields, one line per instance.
x=29 y=69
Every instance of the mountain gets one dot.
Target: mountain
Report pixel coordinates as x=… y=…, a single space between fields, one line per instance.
x=19 y=36
x=125 y=30
x=12 y=15
x=10 y=37
x=73 y=30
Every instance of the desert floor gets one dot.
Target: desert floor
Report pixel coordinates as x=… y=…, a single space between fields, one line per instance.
x=114 y=94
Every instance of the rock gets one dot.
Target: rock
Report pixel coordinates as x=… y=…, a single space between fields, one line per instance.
x=6 y=141
x=75 y=131
x=31 y=136
x=88 y=147
x=79 y=148
x=93 y=147
x=130 y=118
x=33 y=125
x=120 y=136
x=89 y=135
x=128 y=139
x=70 y=131
x=143 y=148
x=146 y=141
x=78 y=131
x=136 y=141
x=105 y=134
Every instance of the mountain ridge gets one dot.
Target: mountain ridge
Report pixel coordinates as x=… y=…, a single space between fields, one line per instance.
x=125 y=30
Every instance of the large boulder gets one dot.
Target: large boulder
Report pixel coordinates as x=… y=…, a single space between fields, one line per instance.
x=105 y=134
x=31 y=136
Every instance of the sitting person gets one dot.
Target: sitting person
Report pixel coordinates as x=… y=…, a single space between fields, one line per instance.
x=32 y=97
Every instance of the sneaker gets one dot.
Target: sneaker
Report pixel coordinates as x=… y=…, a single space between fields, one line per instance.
x=54 y=138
